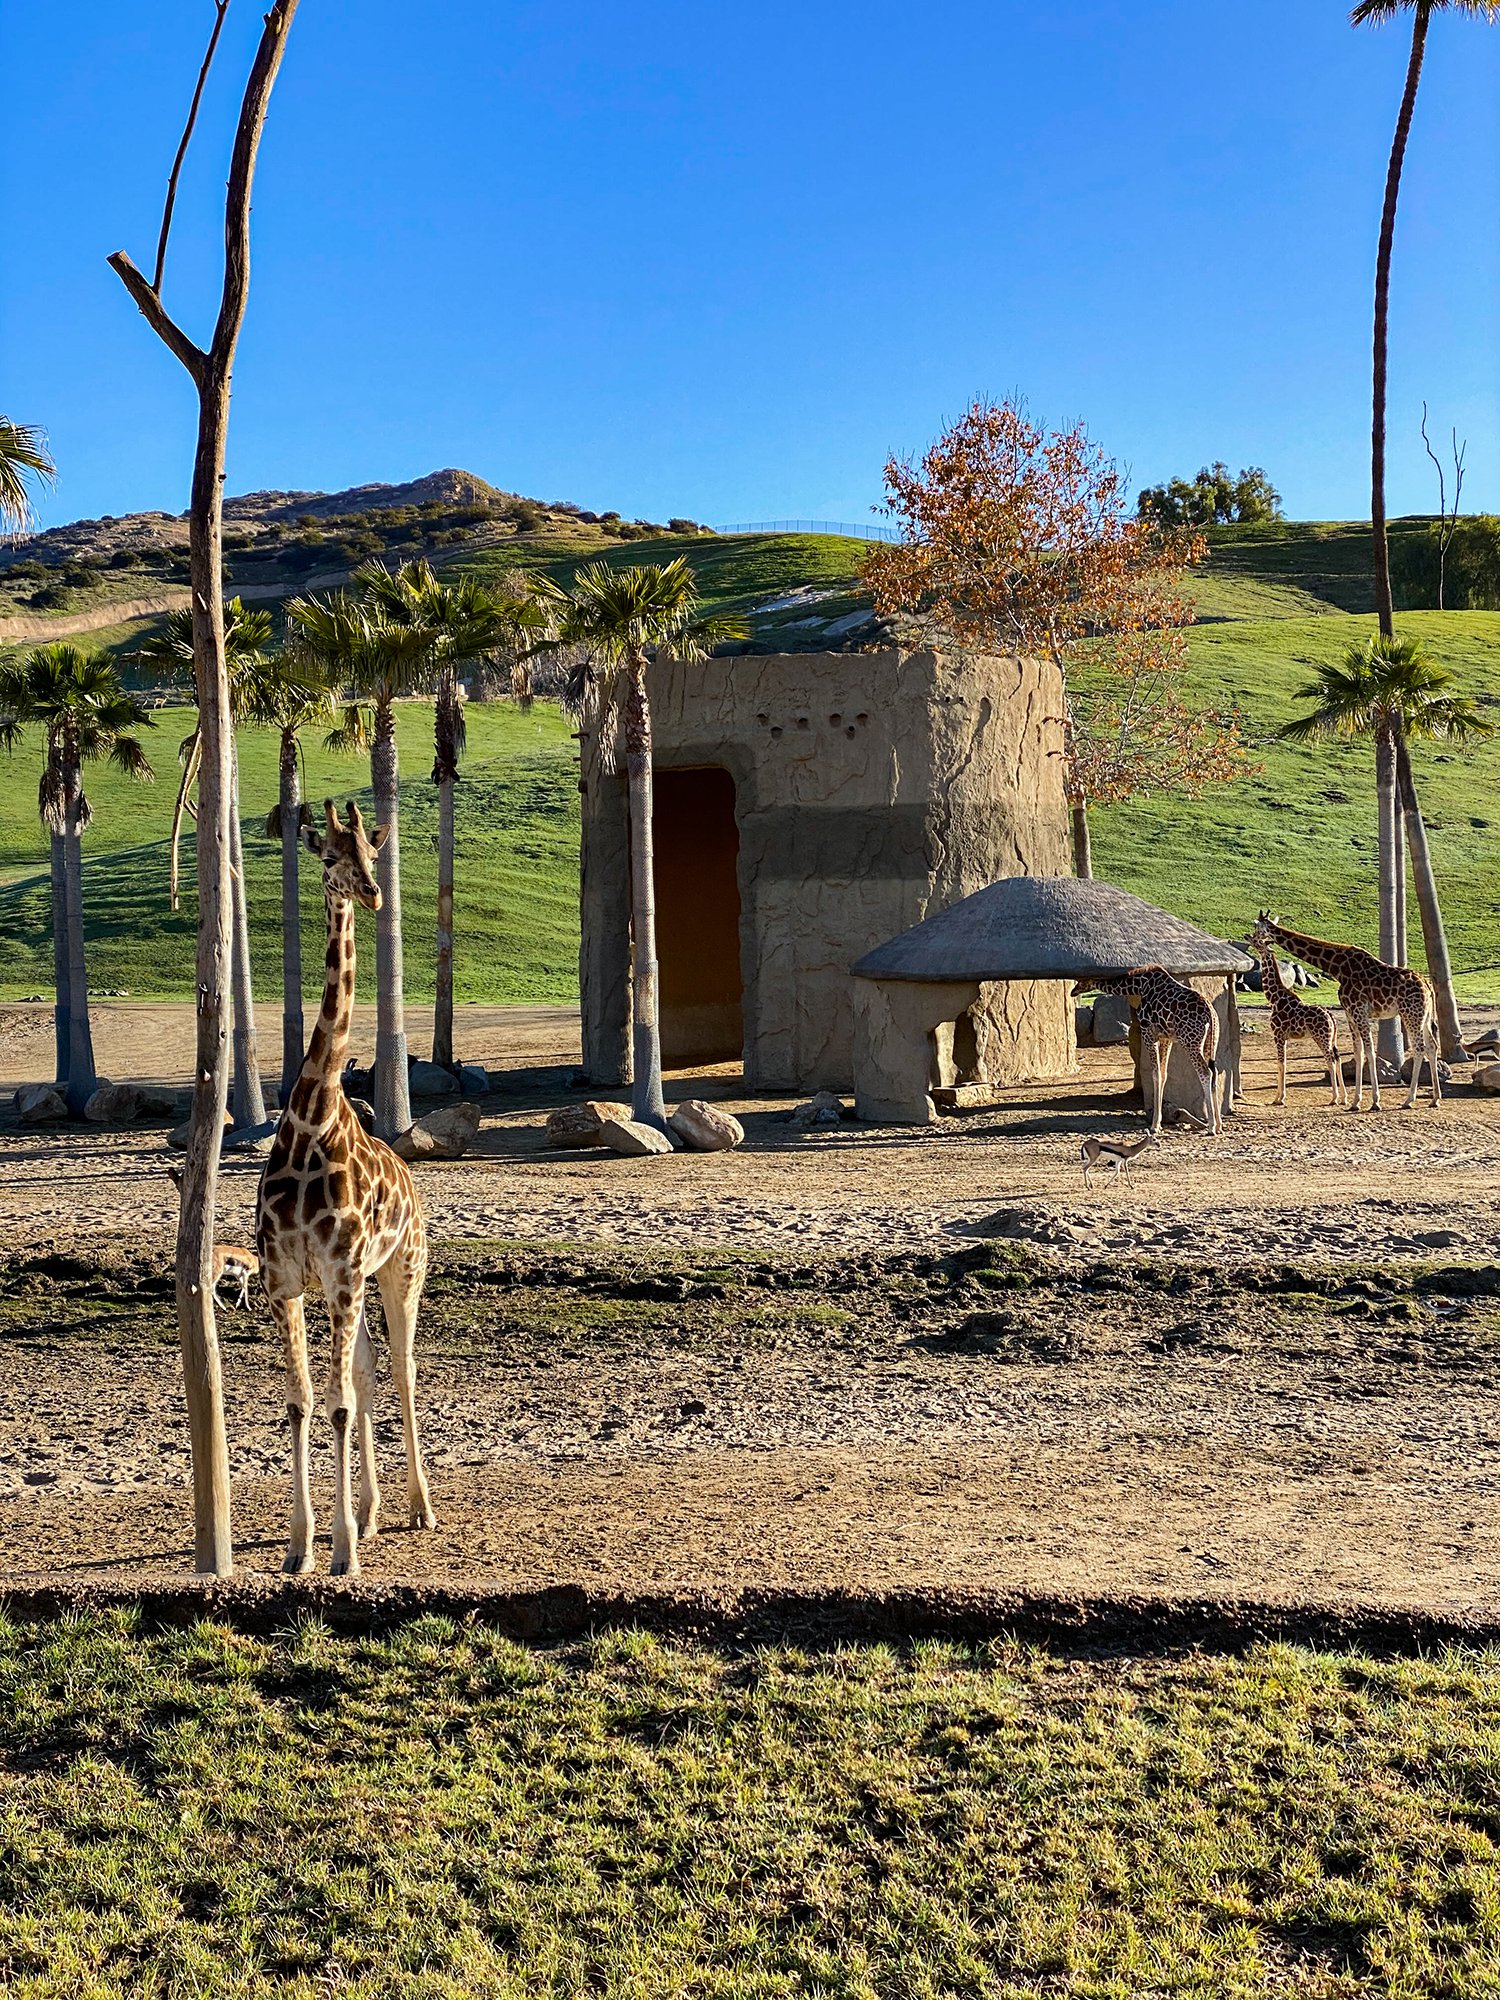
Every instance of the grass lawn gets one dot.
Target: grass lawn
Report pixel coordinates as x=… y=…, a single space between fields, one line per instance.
x=445 y=1813
x=516 y=898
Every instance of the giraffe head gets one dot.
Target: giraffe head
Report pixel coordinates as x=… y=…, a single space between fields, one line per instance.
x=348 y=855
x=1121 y=984
x=1263 y=933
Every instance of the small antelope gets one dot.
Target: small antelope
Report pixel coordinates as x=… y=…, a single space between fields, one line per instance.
x=239 y=1266
x=1116 y=1153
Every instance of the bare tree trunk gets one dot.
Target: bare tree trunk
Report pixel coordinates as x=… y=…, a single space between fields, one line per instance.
x=647 y=1104
x=1388 y=1039
x=442 y=1018
x=189 y=771
x=392 y=1088
x=60 y=979
x=210 y=372
x=248 y=1104
x=82 y=1079
x=1384 y=609
x=293 y=1032
x=1434 y=935
x=1083 y=846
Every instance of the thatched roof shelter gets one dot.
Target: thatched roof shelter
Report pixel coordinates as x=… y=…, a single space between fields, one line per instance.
x=1048 y=927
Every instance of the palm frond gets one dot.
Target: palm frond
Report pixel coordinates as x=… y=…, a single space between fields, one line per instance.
x=24 y=458
x=128 y=754
x=352 y=733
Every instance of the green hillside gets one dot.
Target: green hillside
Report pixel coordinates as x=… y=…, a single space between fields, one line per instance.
x=1299 y=835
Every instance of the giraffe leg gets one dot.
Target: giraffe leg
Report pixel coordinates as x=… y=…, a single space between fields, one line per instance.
x=1211 y=1118
x=289 y=1316
x=1374 y=1066
x=345 y=1294
x=1158 y=1084
x=368 y=1515
x=1281 y=1058
x=400 y=1284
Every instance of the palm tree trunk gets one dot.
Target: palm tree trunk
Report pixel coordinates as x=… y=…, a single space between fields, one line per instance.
x=1388 y=1045
x=1398 y=837
x=1434 y=936
x=293 y=1032
x=647 y=1105
x=392 y=1089
x=82 y=1078
x=248 y=1106
x=1384 y=609
x=443 y=771
x=189 y=772
x=60 y=1009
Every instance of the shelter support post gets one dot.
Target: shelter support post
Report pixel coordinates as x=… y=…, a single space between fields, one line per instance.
x=900 y=1036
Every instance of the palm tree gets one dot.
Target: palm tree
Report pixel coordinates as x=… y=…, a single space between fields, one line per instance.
x=465 y=621
x=290 y=696
x=356 y=647
x=23 y=456
x=1393 y=690
x=1421 y=12
x=85 y=714
x=170 y=650
x=620 y=618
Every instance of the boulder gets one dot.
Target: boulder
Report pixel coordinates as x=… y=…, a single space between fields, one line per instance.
x=159 y=1103
x=427 y=1079
x=704 y=1128
x=1487 y=1077
x=1111 y=1020
x=824 y=1107
x=1445 y=1074
x=445 y=1134
x=1083 y=1025
x=40 y=1104
x=580 y=1124
x=1387 y=1071
x=473 y=1079
x=357 y=1082
x=178 y=1136
x=114 y=1104
x=624 y=1135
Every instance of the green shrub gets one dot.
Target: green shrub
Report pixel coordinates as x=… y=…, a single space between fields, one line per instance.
x=81 y=575
x=27 y=569
x=51 y=597
x=1471 y=580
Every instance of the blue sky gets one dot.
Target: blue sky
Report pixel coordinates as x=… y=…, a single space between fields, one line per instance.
x=722 y=260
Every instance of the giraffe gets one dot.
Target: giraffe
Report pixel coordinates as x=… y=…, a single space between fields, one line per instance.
x=1369 y=990
x=335 y=1208
x=1166 y=1011
x=1295 y=1020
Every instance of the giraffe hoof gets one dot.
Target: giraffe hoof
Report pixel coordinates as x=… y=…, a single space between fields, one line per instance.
x=369 y=1524
x=298 y=1562
x=424 y=1515
x=344 y=1566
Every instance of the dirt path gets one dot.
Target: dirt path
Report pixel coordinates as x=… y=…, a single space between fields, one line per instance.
x=1150 y=1412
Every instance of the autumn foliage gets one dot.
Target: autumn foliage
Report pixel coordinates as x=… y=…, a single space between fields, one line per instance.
x=1021 y=540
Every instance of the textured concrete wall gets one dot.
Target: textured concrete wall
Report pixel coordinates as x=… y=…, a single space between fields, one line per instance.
x=872 y=789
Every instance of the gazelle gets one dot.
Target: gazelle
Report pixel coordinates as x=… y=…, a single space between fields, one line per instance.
x=239 y=1266
x=1116 y=1153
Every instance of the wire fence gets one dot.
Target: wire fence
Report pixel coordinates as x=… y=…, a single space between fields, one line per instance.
x=866 y=532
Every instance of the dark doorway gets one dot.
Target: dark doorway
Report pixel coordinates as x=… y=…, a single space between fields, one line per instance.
x=697 y=845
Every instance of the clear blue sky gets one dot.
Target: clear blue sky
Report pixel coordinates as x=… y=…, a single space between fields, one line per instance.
x=721 y=260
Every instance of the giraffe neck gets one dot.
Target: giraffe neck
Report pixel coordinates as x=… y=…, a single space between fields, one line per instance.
x=1270 y=971
x=324 y=1062
x=1326 y=956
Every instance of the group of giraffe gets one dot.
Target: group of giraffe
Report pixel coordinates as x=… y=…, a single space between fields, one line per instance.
x=337 y=1208
x=1168 y=1012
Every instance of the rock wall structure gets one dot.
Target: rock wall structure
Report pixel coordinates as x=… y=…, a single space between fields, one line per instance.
x=866 y=792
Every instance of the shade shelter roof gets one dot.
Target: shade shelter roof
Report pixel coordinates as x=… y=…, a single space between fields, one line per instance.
x=1048 y=927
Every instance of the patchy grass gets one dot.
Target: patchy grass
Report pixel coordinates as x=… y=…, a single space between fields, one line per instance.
x=445 y=1813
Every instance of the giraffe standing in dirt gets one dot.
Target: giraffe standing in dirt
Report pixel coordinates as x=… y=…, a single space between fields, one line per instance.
x=1295 y=1020
x=337 y=1207
x=1166 y=1011
x=1369 y=990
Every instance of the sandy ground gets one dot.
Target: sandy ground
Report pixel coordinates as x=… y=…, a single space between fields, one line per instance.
x=1193 y=1445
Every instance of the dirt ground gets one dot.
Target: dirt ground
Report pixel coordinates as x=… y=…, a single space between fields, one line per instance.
x=1266 y=1366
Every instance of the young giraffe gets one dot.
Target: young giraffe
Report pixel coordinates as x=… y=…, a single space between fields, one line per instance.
x=1369 y=990
x=1294 y=1020
x=1166 y=1011
x=337 y=1207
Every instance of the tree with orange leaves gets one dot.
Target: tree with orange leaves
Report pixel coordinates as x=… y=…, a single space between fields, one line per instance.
x=1022 y=539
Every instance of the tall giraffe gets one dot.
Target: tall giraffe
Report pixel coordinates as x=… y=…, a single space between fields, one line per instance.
x=1369 y=990
x=335 y=1208
x=1166 y=1011
x=1295 y=1020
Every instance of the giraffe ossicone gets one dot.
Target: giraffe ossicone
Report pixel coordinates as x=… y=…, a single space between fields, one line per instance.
x=336 y=1208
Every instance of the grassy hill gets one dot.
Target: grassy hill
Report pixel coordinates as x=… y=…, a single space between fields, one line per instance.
x=1299 y=835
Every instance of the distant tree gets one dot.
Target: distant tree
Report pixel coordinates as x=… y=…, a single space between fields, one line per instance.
x=1421 y=12
x=620 y=619
x=24 y=460
x=1020 y=541
x=1394 y=691
x=85 y=714
x=1447 y=526
x=1215 y=498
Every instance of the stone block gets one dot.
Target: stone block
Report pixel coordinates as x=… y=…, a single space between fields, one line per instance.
x=1083 y=1025
x=40 y=1104
x=473 y=1079
x=114 y=1104
x=427 y=1079
x=580 y=1124
x=1112 y=1021
x=624 y=1135
x=444 y=1134
x=704 y=1128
